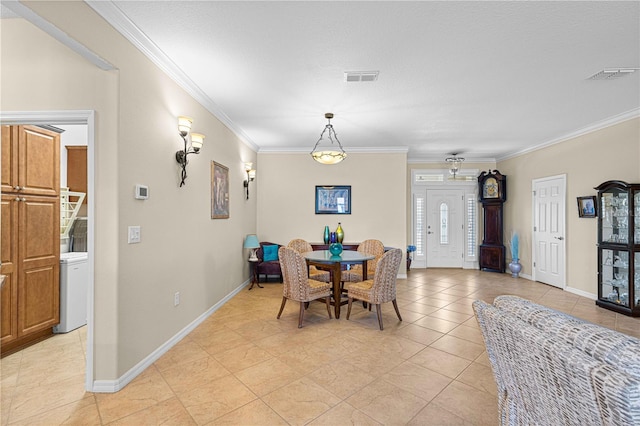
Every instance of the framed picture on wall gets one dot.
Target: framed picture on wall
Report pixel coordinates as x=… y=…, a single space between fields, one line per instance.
x=333 y=199
x=587 y=206
x=219 y=191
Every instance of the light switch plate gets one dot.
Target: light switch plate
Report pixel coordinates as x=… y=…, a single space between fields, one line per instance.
x=134 y=235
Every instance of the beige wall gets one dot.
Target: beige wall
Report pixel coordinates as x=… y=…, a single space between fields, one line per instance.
x=588 y=160
x=286 y=198
x=182 y=248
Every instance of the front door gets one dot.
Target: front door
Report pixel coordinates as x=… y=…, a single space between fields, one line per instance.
x=445 y=228
x=549 y=230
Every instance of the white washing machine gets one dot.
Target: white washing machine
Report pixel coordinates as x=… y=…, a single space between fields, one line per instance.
x=74 y=279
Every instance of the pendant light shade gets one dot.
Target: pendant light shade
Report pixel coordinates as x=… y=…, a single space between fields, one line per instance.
x=329 y=154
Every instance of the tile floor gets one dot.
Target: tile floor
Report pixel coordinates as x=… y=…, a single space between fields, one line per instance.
x=244 y=367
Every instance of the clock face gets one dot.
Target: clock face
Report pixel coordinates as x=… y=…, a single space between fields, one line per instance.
x=490 y=189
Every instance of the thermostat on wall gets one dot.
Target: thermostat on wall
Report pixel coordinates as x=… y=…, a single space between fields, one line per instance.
x=142 y=192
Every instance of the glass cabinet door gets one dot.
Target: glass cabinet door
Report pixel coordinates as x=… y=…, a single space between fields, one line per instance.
x=636 y=279
x=615 y=216
x=615 y=276
x=636 y=231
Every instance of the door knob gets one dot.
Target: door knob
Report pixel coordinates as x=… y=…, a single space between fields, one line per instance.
x=559 y=238
x=429 y=232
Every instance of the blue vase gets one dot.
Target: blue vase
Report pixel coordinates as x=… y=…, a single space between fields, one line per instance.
x=326 y=235
x=335 y=249
x=332 y=237
x=515 y=267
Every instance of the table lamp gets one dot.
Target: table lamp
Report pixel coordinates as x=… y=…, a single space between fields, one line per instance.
x=251 y=242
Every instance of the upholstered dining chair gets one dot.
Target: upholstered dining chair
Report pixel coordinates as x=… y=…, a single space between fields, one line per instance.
x=380 y=289
x=297 y=285
x=373 y=247
x=303 y=246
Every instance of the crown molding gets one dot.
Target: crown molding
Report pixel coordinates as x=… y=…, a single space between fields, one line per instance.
x=440 y=159
x=114 y=16
x=598 y=125
x=354 y=150
x=25 y=12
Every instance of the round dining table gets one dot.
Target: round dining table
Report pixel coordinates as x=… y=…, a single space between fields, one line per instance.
x=324 y=260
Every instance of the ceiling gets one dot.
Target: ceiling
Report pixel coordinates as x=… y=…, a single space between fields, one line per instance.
x=483 y=79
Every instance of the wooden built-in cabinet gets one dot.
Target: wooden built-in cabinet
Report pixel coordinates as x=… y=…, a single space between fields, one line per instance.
x=77 y=169
x=30 y=231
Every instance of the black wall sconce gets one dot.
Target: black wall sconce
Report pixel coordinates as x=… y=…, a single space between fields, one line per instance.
x=251 y=175
x=197 y=140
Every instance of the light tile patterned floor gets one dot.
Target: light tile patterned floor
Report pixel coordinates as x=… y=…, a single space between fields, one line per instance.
x=244 y=367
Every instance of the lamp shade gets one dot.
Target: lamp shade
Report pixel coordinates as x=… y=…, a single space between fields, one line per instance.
x=251 y=242
x=197 y=140
x=184 y=124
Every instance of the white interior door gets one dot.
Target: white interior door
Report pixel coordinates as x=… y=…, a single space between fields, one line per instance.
x=445 y=226
x=549 y=203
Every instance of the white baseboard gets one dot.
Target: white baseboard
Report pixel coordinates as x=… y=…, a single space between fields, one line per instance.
x=111 y=386
x=581 y=293
x=525 y=276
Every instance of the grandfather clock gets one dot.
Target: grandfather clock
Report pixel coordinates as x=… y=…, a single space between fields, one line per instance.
x=492 y=187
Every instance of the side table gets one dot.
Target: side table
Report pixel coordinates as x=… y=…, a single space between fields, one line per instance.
x=254 y=273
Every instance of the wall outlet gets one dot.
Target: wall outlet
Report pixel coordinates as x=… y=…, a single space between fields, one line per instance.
x=134 y=235
x=176 y=298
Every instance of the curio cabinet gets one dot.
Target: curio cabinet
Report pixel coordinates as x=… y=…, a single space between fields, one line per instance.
x=619 y=247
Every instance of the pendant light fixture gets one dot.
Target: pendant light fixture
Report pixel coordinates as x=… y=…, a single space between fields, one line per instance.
x=328 y=155
x=455 y=162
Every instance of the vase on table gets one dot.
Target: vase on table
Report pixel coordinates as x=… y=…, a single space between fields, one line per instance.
x=339 y=233
x=335 y=249
x=333 y=238
x=326 y=235
x=515 y=267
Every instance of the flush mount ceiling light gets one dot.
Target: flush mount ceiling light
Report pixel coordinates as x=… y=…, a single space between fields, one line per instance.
x=328 y=155
x=455 y=163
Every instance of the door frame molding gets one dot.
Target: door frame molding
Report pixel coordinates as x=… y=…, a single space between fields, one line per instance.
x=467 y=186
x=81 y=117
x=533 y=221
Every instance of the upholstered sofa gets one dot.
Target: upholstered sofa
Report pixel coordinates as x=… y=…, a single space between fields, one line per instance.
x=268 y=267
x=555 y=369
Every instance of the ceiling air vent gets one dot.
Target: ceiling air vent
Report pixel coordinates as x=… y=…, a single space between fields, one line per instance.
x=612 y=73
x=360 y=76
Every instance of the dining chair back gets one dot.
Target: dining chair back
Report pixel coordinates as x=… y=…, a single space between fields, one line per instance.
x=297 y=285
x=303 y=246
x=372 y=247
x=380 y=289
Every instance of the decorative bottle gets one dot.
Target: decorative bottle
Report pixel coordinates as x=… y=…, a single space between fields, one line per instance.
x=326 y=234
x=339 y=233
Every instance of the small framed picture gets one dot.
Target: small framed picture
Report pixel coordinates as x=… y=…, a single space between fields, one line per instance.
x=587 y=206
x=333 y=199
x=219 y=191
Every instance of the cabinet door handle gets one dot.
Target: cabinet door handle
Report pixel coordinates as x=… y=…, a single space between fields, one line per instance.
x=559 y=238
x=18 y=188
x=17 y=199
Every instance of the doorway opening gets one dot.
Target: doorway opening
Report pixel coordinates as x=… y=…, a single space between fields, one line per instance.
x=73 y=117
x=444 y=226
